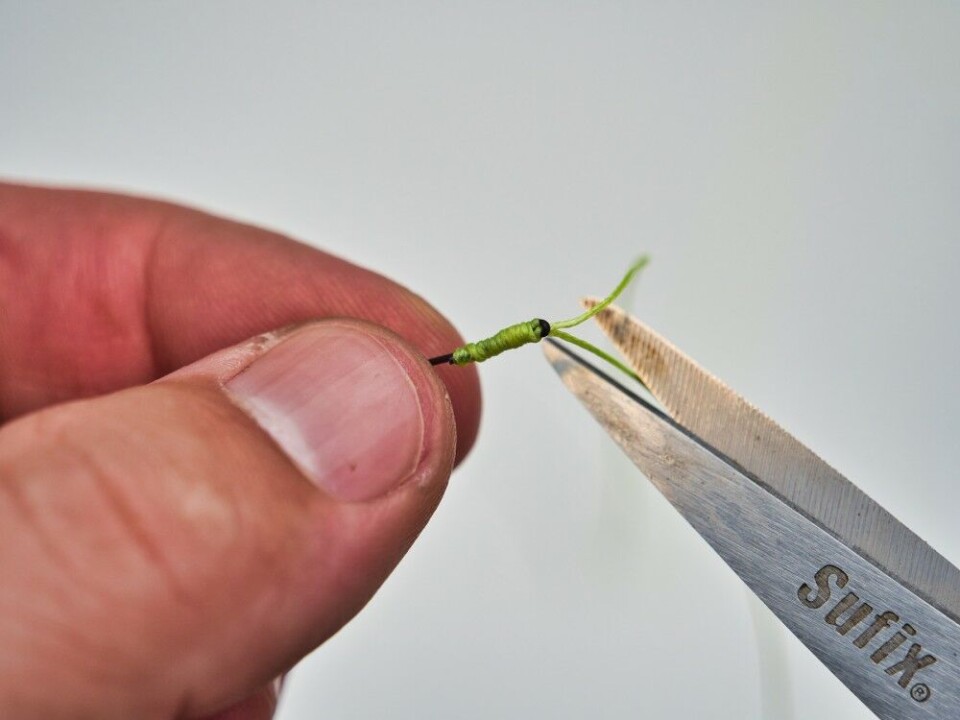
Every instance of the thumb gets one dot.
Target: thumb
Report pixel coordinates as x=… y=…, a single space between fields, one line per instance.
x=170 y=548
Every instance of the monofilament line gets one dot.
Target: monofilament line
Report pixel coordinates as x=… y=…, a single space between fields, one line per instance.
x=442 y=359
x=533 y=331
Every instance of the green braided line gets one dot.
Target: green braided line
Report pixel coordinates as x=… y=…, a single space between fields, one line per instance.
x=602 y=354
x=531 y=331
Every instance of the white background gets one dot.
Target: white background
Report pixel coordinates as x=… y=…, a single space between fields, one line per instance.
x=794 y=174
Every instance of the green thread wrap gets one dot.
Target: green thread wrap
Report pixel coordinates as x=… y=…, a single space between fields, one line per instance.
x=507 y=339
x=535 y=330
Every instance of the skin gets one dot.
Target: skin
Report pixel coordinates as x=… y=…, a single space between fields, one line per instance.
x=161 y=557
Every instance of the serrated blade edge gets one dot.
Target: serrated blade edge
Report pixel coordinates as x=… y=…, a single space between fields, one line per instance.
x=710 y=409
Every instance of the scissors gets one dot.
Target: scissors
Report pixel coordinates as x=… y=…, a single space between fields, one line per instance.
x=875 y=604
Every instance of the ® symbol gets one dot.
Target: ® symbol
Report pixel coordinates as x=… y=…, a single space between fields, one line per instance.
x=920 y=692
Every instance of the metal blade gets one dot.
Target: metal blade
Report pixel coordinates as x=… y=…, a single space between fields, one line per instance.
x=713 y=412
x=853 y=616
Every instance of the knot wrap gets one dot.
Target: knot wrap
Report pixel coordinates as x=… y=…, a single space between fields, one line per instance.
x=509 y=338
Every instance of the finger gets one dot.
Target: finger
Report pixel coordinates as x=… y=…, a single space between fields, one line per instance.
x=100 y=292
x=261 y=705
x=180 y=544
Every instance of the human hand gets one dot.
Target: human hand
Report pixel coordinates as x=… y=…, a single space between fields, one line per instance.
x=180 y=522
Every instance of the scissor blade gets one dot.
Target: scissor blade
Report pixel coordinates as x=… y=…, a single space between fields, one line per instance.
x=725 y=421
x=893 y=649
